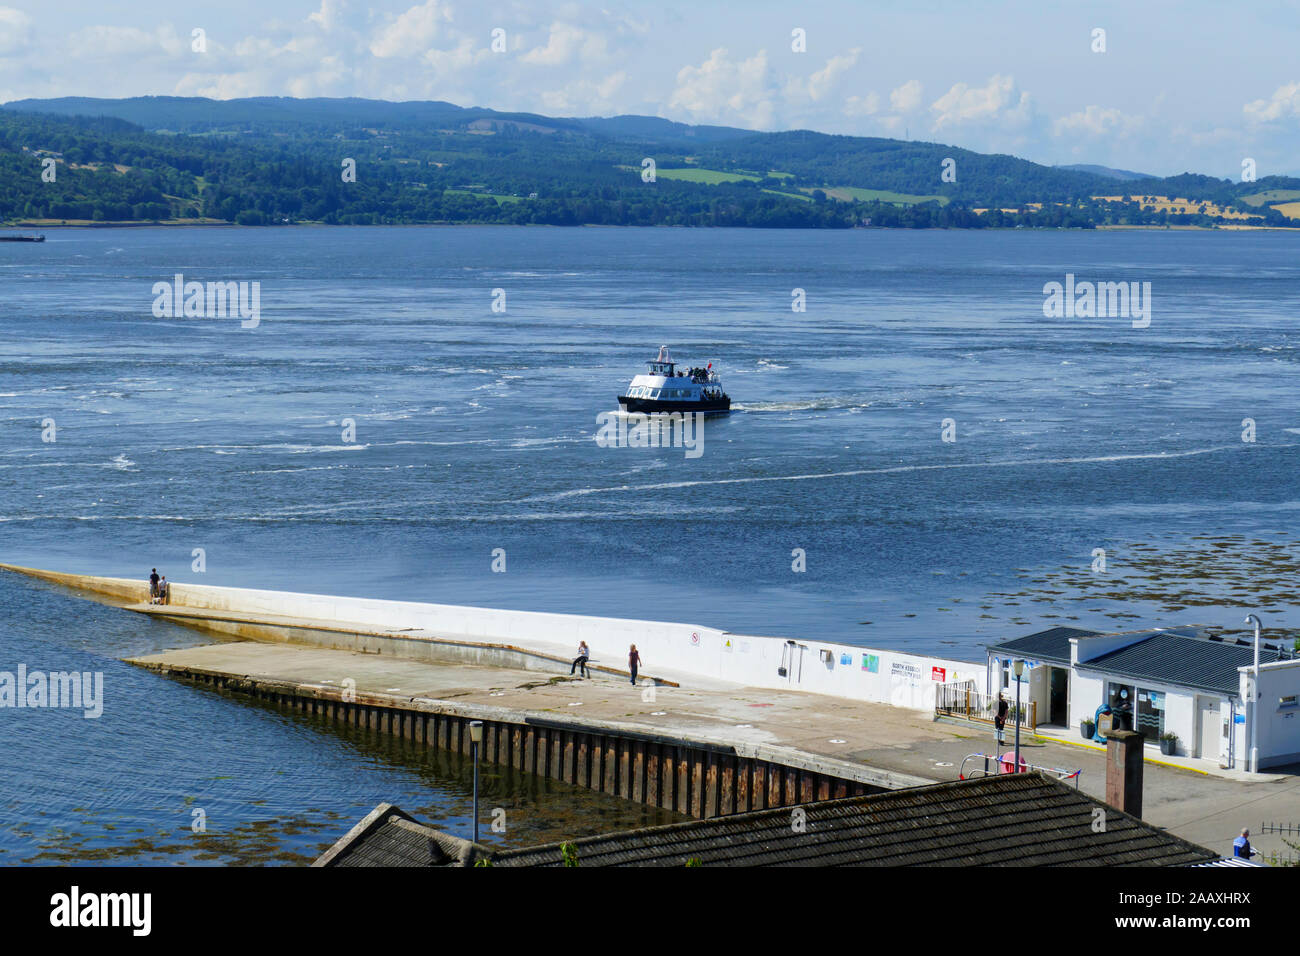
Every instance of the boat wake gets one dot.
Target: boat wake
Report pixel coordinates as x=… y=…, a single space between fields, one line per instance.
x=893 y=470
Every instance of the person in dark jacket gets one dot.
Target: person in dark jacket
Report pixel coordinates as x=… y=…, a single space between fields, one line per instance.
x=1000 y=721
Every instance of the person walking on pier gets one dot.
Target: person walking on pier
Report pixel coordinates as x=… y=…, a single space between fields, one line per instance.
x=633 y=662
x=1000 y=721
x=153 y=586
x=581 y=660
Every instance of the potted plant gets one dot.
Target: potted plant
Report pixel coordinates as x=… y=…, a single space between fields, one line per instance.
x=1168 y=744
x=1087 y=728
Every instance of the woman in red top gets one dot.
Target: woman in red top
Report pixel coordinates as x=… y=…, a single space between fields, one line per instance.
x=633 y=662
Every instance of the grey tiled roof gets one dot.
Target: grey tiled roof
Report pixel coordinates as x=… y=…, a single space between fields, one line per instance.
x=1013 y=820
x=1192 y=662
x=389 y=837
x=1051 y=645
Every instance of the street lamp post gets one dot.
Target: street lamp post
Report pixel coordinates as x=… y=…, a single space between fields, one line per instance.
x=1019 y=668
x=1253 y=703
x=475 y=738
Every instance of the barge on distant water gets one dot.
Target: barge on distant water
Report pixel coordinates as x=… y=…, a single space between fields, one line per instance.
x=665 y=389
x=22 y=238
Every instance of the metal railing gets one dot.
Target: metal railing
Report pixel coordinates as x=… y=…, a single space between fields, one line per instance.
x=1287 y=828
x=994 y=764
x=964 y=699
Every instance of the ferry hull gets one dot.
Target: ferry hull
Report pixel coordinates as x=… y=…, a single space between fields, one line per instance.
x=651 y=406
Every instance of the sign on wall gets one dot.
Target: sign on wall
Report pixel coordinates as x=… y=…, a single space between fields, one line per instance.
x=904 y=671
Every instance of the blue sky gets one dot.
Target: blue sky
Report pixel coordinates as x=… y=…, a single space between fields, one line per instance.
x=1180 y=86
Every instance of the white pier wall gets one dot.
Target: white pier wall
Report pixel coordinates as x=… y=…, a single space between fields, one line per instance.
x=841 y=670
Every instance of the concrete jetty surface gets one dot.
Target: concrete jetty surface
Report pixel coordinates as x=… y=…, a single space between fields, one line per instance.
x=886 y=745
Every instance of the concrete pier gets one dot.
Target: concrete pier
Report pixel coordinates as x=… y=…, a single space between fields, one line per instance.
x=673 y=652
x=411 y=664
x=697 y=763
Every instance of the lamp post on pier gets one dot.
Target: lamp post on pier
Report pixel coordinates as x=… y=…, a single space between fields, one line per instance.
x=1019 y=667
x=475 y=738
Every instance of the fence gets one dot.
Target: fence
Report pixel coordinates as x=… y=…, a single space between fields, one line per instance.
x=964 y=699
x=1287 y=828
x=995 y=764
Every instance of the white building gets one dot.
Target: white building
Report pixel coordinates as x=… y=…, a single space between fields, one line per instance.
x=1182 y=681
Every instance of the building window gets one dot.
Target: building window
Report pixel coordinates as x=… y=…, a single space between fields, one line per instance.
x=1150 y=713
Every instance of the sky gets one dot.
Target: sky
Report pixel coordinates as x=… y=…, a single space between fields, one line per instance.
x=1168 y=87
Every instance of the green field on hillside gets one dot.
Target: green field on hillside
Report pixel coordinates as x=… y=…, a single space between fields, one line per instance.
x=710 y=177
x=1271 y=196
x=850 y=193
x=713 y=177
x=497 y=196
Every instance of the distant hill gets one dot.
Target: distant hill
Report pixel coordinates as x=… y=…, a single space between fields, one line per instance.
x=1106 y=171
x=194 y=114
x=265 y=160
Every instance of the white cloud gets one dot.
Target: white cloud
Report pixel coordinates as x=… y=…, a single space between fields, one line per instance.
x=463 y=56
x=1096 y=121
x=15 y=30
x=998 y=100
x=102 y=42
x=585 y=97
x=327 y=17
x=1284 y=102
x=907 y=97
x=864 y=105
x=720 y=89
x=411 y=33
x=221 y=86
x=825 y=79
x=564 y=43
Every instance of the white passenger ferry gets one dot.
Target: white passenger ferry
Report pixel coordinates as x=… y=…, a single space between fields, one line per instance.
x=664 y=388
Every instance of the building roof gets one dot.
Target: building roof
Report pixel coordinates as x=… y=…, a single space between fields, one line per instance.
x=1050 y=646
x=388 y=837
x=1011 y=820
x=1172 y=658
x=1232 y=861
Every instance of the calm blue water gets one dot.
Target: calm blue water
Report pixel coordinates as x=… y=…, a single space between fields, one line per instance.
x=474 y=431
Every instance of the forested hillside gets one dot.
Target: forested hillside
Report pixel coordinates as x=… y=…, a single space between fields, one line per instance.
x=272 y=161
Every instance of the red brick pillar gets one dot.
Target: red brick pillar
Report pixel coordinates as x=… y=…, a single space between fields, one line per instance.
x=1124 y=771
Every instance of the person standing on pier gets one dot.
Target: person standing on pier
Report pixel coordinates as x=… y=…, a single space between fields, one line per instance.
x=1000 y=721
x=581 y=660
x=153 y=586
x=633 y=662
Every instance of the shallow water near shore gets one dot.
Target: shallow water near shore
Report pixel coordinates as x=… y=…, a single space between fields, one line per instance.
x=474 y=431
